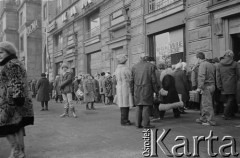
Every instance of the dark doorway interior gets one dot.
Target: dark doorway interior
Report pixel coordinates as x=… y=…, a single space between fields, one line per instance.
x=236 y=46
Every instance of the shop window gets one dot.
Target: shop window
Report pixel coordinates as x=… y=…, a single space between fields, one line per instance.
x=93 y=25
x=58 y=68
x=168 y=47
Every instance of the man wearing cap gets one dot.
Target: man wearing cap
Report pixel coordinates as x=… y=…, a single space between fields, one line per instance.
x=227 y=81
x=145 y=84
x=66 y=89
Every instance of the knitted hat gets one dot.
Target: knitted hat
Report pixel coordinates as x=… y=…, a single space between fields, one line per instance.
x=64 y=65
x=122 y=59
x=9 y=47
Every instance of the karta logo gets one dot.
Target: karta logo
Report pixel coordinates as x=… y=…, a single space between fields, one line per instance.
x=152 y=143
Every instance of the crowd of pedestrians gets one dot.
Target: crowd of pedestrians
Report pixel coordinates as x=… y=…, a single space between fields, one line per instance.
x=151 y=88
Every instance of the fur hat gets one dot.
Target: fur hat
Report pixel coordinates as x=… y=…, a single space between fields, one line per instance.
x=122 y=59
x=64 y=65
x=9 y=47
x=43 y=75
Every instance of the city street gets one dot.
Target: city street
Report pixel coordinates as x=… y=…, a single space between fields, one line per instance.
x=98 y=134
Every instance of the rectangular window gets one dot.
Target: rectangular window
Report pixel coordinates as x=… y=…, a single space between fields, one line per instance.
x=45 y=12
x=94 y=25
x=21 y=19
x=58 y=41
x=169 y=46
x=22 y=43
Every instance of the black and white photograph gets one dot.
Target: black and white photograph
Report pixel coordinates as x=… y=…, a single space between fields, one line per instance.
x=119 y=78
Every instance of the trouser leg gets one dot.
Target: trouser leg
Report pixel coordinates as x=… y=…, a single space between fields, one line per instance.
x=229 y=109
x=42 y=104
x=161 y=113
x=122 y=115
x=146 y=120
x=125 y=111
x=207 y=112
x=20 y=139
x=156 y=111
x=139 y=110
x=46 y=105
x=176 y=112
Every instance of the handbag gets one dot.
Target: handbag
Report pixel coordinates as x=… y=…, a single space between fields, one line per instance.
x=79 y=93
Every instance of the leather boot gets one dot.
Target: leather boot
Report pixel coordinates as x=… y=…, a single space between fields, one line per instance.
x=65 y=113
x=92 y=106
x=87 y=108
x=73 y=112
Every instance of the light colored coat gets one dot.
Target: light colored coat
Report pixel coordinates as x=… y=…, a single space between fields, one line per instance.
x=123 y=88
x=89 y=90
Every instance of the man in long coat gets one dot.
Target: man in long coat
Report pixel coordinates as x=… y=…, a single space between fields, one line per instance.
x=43 y=89
x=227 y=81
x=145 y=84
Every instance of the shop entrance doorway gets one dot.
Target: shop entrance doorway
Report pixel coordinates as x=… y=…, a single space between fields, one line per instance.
x=236 y=46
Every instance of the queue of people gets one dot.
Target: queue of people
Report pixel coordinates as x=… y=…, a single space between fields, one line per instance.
x=151 y=88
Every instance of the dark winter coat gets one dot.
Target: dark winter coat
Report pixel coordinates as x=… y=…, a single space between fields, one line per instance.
x=238 y=83
x=168 y=84
x=181 y=83
x=16 y=108
x=227 y=76
x=66 y=83
x=43 y=87
x=145 y=83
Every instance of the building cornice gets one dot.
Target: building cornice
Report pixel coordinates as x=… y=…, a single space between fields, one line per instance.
x=223 y=5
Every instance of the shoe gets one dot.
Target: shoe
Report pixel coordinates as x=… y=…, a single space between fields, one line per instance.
x=238 y=126
x=139 y=126
x=155 y=119
x=209 y=123
x=200 y=121
x=42 y=110
x=149 y=126
x=127 y=124
x=65 y=113
x=73 y=112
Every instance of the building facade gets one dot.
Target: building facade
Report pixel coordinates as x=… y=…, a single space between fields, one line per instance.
x=90 y=34
x=30 y=36
x=9 y=21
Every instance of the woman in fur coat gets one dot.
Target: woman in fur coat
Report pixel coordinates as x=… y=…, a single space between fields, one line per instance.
x=169 y=93
x=123 y=89
x=89 y=91
x=16 y=108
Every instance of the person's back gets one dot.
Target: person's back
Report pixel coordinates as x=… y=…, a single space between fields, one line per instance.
x=206 y=73
x=228 y=72
x=145 y=80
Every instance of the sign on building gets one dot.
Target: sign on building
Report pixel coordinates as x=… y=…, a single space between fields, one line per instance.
x=31 y=28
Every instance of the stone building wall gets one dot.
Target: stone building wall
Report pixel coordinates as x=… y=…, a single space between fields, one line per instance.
x=198 y=29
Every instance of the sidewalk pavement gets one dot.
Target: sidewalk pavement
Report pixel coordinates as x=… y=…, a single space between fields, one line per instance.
x=98 y=133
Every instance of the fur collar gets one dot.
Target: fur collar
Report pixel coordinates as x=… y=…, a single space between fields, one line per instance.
x=7 y=59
